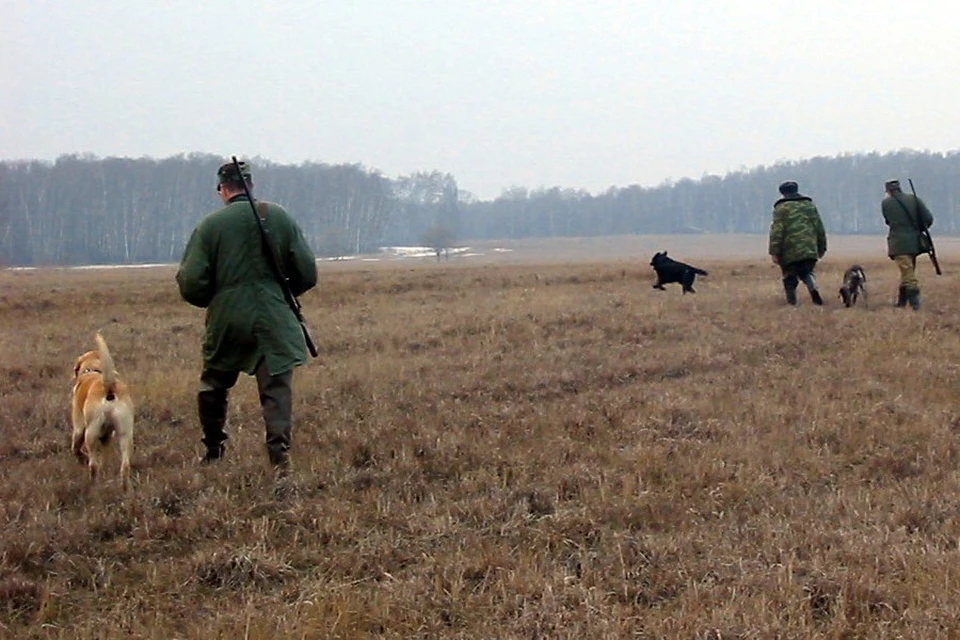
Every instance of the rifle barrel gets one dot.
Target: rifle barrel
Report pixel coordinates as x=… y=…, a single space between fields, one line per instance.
x=275 y=265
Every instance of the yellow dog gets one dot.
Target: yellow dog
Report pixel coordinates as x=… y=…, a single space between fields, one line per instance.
x=102 y=411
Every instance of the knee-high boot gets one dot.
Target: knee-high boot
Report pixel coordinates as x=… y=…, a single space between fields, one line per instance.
x=790 y=284
x=212 y=409
x=902 y=297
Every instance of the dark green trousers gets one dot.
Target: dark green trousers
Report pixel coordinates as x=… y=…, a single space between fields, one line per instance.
x=276 y=402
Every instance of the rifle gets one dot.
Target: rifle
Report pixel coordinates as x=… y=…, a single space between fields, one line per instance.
x=925 y=233
x=276 y=265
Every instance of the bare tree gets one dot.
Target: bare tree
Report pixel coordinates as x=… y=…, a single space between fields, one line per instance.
x=440 y=238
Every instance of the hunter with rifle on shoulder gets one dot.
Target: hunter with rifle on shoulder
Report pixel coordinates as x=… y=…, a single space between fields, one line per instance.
x=909 y=220
x=246 y=263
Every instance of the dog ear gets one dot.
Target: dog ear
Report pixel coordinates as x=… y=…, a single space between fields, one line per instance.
x=76 y=367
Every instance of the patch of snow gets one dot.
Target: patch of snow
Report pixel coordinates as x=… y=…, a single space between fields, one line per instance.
x=120 y=266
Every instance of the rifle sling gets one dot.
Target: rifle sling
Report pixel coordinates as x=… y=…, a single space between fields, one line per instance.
x=273 y=256
x=913 y=221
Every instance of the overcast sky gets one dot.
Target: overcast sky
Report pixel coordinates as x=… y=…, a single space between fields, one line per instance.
x=573 y=93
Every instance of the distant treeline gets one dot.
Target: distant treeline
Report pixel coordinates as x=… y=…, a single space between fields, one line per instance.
x=88 y=210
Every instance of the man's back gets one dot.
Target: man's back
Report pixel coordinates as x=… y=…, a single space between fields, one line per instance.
x=797 y=232
x=906 y=215
x=224 y=269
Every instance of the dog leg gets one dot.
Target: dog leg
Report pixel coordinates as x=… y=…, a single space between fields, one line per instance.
x=76 y=441
x=77 y=446
x=125 y=444
x=126 y=449
x=92 y=440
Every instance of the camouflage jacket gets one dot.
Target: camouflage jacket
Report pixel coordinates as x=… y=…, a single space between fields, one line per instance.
x=796 y=232
x=224 y=269
x=904 y=235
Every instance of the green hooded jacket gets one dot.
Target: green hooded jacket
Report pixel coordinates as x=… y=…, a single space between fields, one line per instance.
x=904 y=235
x=224 y=269
x=796 y=232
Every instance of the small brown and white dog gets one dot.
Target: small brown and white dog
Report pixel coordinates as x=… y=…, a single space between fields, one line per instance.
x=854 y=286
x=102 y=411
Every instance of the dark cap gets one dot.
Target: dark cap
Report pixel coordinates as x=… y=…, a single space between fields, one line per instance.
x=891 y=185
x=228 y=173
x=789 y=187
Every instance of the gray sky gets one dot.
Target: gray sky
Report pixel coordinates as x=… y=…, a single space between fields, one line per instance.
x=574 y=93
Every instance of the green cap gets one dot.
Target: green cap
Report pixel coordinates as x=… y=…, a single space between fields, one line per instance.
x=228 y=173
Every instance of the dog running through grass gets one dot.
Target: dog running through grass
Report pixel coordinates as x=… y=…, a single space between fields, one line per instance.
x=854 y=286
x=669 y=270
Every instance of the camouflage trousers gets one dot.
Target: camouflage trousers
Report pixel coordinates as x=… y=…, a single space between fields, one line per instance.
x=907 y=264
x=276 y=403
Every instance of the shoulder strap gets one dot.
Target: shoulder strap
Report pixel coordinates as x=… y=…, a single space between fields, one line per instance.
x=910 y=216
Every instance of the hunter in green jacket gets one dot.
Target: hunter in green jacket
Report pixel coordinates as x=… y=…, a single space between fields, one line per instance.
x=797 y=241
x=906 y=215
x=249 y=326
x=224 y=269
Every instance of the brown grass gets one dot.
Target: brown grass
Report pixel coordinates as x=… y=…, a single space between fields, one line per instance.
x=501 y=451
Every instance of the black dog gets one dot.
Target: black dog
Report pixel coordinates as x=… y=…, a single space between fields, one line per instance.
x=669 y=270
x=854 y=286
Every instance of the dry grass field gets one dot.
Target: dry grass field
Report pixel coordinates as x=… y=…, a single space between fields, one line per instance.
x=499 y=451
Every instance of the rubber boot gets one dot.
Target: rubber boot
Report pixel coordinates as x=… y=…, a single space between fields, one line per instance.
x=276 y=402
x=284 y=486
x=280 y=461
x=790 y=289
x=811 y=283
x=212 y=409
x=902 y=297
x=913 y=297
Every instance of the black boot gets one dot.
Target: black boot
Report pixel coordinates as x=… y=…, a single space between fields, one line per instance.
x=811 y=283
x=913 y=297
x=790 y=289
x=284 y=486
x=280 y=460
x=213 y=454
x=902 y=297
x=212 y=409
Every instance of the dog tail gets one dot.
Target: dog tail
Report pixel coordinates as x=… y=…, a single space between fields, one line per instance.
x=109 y=371
x=700 y=272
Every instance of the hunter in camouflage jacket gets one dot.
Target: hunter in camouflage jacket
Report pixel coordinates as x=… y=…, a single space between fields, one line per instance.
x=796 y=232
